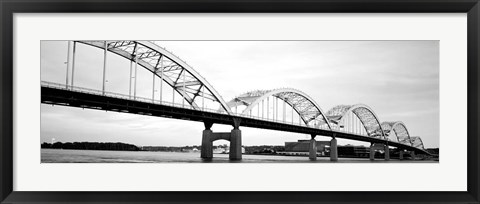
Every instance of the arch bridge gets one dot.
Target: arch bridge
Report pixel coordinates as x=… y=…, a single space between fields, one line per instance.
x=193 y=98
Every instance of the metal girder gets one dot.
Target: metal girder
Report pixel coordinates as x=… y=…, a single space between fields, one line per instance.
x=303 y=104
x=417 y=142
x=148 y=54
x=399 y=129
x=116 y=44
x=188 y=83
x=367 y=117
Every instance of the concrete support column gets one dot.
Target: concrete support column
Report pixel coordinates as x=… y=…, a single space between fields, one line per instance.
x=379 y=146
x=313 y=149
x=372 y=152
x=387 y=153
x=236 y=141
x=207 y=144
x=333 y=150
x=401 y=155
x=235 y=145
x=206 y=151
x=411 y=153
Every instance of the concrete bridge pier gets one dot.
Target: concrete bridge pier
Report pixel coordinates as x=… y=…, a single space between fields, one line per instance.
x=313 y=148
x=206 y=151
x=333 y=150
x=235 y=138
x=379 y=146
x=235 y=141
x=387 y=153
x=402 y=152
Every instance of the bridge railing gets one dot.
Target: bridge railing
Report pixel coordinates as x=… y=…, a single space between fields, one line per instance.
x=149 y=100
x=179 y=105
x=121 y=96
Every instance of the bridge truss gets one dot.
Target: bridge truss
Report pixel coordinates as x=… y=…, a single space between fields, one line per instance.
x=338 y=116
x=171 y=70
x=304 y=106
x=356 y=119
x=398 y=131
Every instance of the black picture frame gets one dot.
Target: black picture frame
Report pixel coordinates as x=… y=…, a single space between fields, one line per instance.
x=10 y=7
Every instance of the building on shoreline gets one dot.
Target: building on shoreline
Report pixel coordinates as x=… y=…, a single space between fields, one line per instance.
x=323 y=148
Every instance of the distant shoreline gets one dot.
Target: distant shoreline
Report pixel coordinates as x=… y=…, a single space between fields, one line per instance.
x=118 y=146
x=272 y=150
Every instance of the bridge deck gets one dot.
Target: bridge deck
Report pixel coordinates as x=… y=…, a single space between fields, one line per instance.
x=59 y=96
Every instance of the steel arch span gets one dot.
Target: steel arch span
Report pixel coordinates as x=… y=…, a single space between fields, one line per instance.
x=303 y=104
x=365 y=114
x=399 y=129
x=168 y=67
x=417 y=142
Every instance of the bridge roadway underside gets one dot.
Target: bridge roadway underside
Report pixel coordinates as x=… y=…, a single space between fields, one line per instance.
x=64 y=97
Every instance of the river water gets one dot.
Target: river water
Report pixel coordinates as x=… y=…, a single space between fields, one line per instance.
x=96 y=156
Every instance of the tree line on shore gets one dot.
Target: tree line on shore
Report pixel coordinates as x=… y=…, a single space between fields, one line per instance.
x=91 y=146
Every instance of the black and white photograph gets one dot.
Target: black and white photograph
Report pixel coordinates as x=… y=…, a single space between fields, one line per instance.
x=153 y=101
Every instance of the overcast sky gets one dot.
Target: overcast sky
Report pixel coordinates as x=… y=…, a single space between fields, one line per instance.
x=399 y=80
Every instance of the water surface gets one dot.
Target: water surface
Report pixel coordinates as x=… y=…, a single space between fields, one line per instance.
x=98 y=156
